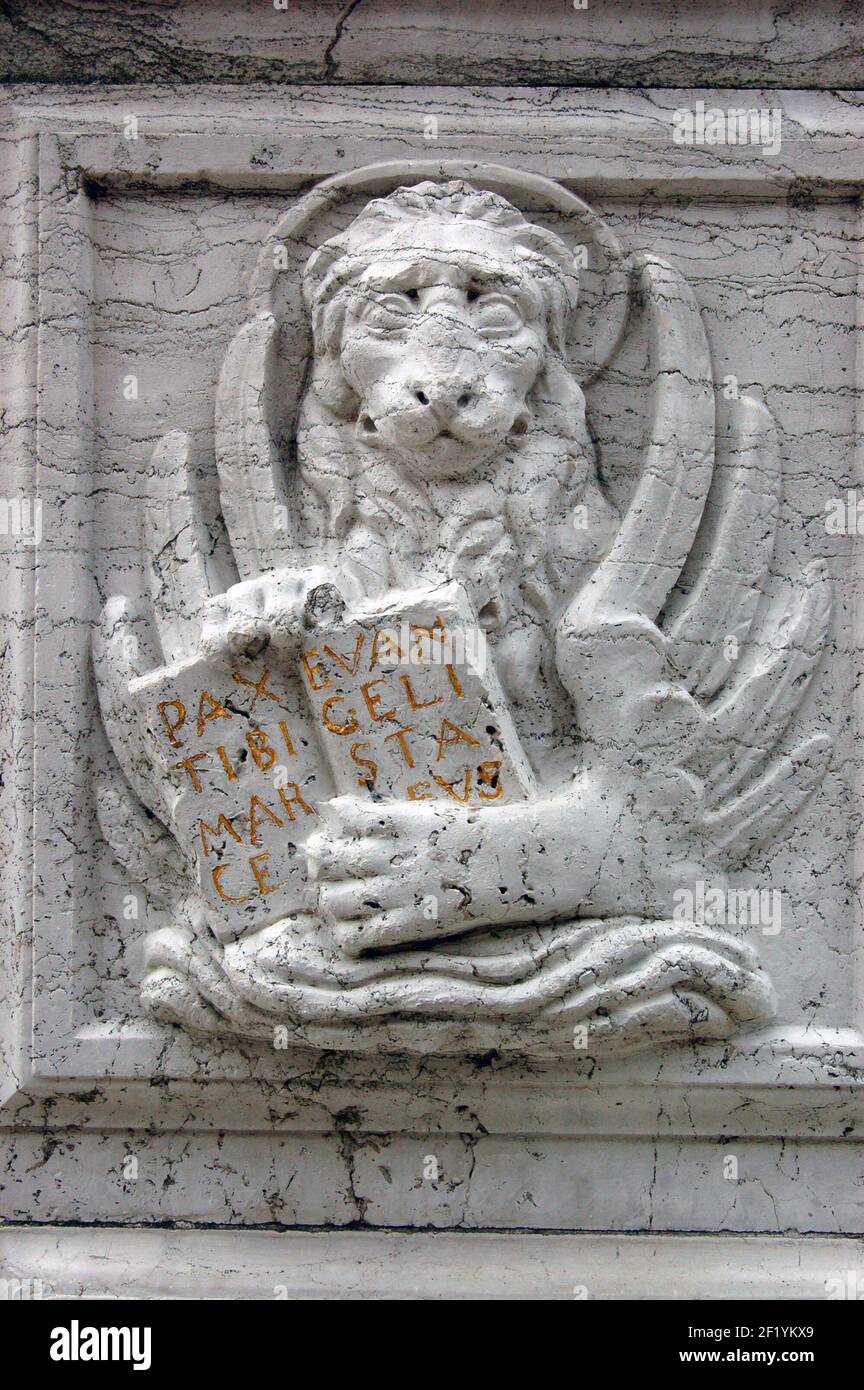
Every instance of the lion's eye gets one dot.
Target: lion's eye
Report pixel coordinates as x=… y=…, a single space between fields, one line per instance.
x=495 y=315
x=389 y=313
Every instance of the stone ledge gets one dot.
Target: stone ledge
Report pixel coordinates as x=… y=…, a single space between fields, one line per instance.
x=109 y=1261
x=801 y=43
x=484 y=1183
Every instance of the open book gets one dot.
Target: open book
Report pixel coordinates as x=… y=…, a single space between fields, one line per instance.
x=388 y=702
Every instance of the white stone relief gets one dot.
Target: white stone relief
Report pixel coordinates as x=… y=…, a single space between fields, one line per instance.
x=432 y=770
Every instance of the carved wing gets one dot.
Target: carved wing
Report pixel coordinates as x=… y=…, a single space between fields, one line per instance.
x=610 y=651
x=254 y=502
x=750 y=660
x=183 y=571
x=675 y=656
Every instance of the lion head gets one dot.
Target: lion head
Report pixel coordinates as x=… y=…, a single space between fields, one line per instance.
x=434 y=316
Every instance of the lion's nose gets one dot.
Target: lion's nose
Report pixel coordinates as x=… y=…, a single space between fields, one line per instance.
x=447 y=395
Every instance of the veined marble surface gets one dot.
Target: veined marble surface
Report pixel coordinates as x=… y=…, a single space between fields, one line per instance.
x=133 y=274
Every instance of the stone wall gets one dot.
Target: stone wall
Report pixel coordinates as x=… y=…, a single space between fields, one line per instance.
x=152 y=159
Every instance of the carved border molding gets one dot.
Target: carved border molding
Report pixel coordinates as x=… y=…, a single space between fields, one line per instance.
x=51 y=1046
x=494 y=1265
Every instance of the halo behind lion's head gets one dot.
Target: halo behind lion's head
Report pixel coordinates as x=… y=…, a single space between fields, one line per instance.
x=387 y=222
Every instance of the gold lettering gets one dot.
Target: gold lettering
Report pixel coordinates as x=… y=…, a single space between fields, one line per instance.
x=351 y=666
x=412 y=699
x=456 y=734
x=295 y=800
x=448 y=786
x=369 y=779
x=189 y=765
x=314 y=673
x=223 y=826
x=260 y=748
x=383 y=638
x=399 y=735
x=260 y=687
x=436 y=633
x=415 y=794
x=171 y=728
x=489 y=775
x=217 y=884
x=262 y=874
x=286 y=739
x=226 y=763
x=454 y=680
x=373 y=700
x=338 y=728
x=216 y=711
x=254 y=803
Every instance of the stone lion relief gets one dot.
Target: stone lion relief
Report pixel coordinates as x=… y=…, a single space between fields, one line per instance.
x=431 y=769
